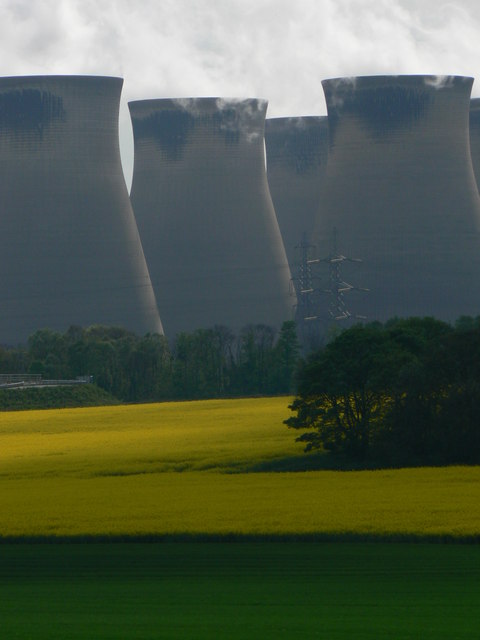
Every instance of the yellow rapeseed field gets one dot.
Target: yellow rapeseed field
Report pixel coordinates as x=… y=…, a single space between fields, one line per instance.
x=150 y=438
x=176 y=468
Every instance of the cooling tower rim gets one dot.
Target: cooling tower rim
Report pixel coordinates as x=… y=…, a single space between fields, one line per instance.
x=288 y=120
x=42 y=76
x=196 y=103
x=6 y=81
x=438 y=81
x=474 y=104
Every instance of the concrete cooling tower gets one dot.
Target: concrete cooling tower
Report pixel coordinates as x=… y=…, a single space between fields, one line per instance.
x=205 y=214
x=70 y=252
x=297 y=150
x=475 y=137
x=401 y=196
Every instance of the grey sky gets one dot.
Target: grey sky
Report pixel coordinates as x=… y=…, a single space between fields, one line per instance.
x=274 y=49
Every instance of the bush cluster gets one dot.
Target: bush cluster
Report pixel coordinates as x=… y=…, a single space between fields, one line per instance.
x=85 y=395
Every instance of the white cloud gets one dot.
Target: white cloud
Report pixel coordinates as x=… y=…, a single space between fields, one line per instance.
x=273 y=49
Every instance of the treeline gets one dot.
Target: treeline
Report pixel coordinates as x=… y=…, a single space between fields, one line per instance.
x=403 y=392
x=206 y=363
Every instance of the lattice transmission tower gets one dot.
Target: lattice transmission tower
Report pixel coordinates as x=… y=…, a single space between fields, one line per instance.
x=337 y=286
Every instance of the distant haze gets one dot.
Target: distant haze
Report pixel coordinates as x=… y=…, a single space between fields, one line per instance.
x=273 y=49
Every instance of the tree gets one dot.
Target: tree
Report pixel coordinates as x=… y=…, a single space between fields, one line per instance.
x=411 y=429
x=48 y=353
x=343 y=391
x=254 y=359
x=201 y=363
x=13 y=360
x=285 y=358
x=103 y=352
x=407 y=392
x=457 y=434
x=150 y=364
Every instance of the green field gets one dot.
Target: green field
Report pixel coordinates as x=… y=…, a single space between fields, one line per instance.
x=240 y=590
x=196 y=469
x=137 y=504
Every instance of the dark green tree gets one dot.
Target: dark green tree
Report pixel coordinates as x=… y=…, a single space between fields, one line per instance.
x=254 y=360
x=407 y=392
x=423 y=379
x=457 y=433
x=14 y=360
x=48 y=352
x=104 y=353
x=202 y=360
x=286 y=354
x=343 y=392
x=149 y=364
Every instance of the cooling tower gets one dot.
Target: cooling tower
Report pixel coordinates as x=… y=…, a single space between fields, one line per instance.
x=70 y=252
x=475 y=137
x=297 y=150
x=205 y=214
x=400 y=195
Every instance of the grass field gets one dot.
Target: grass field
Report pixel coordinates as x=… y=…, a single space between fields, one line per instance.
x=240 y=590
x=181 y=468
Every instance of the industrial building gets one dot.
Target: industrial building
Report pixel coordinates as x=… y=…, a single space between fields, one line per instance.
x=70 y=252
x=400 y=210
x=297 y=150
x=205 y=215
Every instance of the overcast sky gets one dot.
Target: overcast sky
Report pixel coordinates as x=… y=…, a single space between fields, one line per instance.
x=274 y=49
